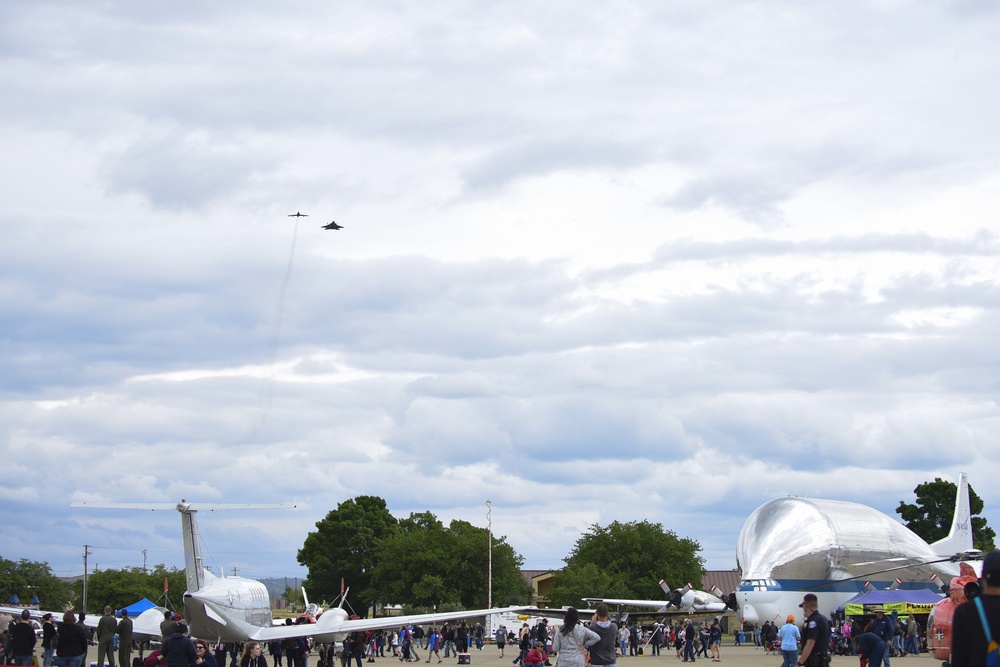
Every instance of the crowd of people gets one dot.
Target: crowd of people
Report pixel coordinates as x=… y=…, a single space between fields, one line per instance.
x=598 y=642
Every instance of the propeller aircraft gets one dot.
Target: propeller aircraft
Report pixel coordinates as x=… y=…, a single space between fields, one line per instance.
x=685 y=600
x=235 y=609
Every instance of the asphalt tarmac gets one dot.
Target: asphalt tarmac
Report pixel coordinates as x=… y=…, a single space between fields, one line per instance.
x=744 y=656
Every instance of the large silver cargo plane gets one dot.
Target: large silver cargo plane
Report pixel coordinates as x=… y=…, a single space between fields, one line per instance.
x=790 y=546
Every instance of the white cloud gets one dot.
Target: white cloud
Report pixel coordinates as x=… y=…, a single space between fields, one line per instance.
x=652 y=262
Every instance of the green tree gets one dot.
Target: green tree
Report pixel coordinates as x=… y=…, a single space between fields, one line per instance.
x=343 y=547
x=427 y=566
x=931 y=516
x=120 y=588
x=414 y=563
x=627 y=560
x=27 y=579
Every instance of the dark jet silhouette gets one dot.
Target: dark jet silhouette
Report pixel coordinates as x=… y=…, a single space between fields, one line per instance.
x=297 y=215
x=332 y=225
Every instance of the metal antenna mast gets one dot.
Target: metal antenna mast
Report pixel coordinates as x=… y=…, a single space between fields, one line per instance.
x=86 y=552
x=489 y=538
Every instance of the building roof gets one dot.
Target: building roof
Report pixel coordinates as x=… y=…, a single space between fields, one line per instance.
x=529 y=575
x=726 y=580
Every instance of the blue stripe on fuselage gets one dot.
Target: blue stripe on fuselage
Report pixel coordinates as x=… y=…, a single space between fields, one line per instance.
x=855 y=586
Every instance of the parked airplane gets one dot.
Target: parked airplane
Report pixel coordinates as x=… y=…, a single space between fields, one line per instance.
x=684 y=600
x=234 y=609
x=312 y=611
x=332 y=225
x=829 y=547
x=145 y=626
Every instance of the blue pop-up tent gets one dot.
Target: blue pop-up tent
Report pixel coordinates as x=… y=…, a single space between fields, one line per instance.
x=136 y=608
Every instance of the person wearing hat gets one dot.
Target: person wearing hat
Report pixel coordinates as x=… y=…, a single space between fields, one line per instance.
x=790 y=637
x=968 y=636
x=816 y=649
x=885 y=627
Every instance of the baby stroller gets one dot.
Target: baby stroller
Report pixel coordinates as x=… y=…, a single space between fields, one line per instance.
x=839 y=644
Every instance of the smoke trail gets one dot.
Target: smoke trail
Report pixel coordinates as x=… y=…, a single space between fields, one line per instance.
x=267 y=391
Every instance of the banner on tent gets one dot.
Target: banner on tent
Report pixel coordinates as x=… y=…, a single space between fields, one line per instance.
x=902 y=608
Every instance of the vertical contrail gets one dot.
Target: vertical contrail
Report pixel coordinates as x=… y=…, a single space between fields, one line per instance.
x=272 y=342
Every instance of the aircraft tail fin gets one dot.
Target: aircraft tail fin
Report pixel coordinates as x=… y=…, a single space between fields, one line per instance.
x=960 y=536
x=192 y=548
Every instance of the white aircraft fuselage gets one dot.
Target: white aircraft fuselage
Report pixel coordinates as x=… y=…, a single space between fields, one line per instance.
x=790 y=546
x=228 y=609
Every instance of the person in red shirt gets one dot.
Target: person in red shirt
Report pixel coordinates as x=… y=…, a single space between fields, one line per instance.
x=536 y=656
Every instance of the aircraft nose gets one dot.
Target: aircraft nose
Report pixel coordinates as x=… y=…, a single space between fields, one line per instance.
x=750 y=614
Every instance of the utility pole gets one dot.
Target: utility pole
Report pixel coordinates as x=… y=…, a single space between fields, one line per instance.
x=86 y=552
x=144 y=570
x=489 y=547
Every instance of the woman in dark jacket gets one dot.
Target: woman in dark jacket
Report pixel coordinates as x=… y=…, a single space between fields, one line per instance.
x=72 y=643
x=205 y=657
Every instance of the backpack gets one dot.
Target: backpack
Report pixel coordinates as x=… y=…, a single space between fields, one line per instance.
x=992 y=648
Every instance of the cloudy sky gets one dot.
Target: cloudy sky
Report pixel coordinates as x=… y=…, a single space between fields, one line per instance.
x=661 y=260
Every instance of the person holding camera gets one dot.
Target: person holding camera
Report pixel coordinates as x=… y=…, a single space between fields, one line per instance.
x=978 y=620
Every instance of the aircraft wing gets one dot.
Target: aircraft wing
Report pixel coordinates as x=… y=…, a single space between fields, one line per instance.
x=698 y=605
x=35 y=613
x=336 y=625
x=552 y=612
x=144 y=626
x=147 y=624
x=655 y=604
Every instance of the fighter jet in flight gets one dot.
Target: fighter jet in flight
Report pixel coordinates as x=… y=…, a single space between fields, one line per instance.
x=298 y=215
x=332 y=225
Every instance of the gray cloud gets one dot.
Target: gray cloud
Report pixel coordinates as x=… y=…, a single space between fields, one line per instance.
x=179 y=172
x=545 y=156
x=546 y=281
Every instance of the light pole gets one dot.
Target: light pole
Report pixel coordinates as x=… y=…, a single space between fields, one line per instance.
x=489 y=546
